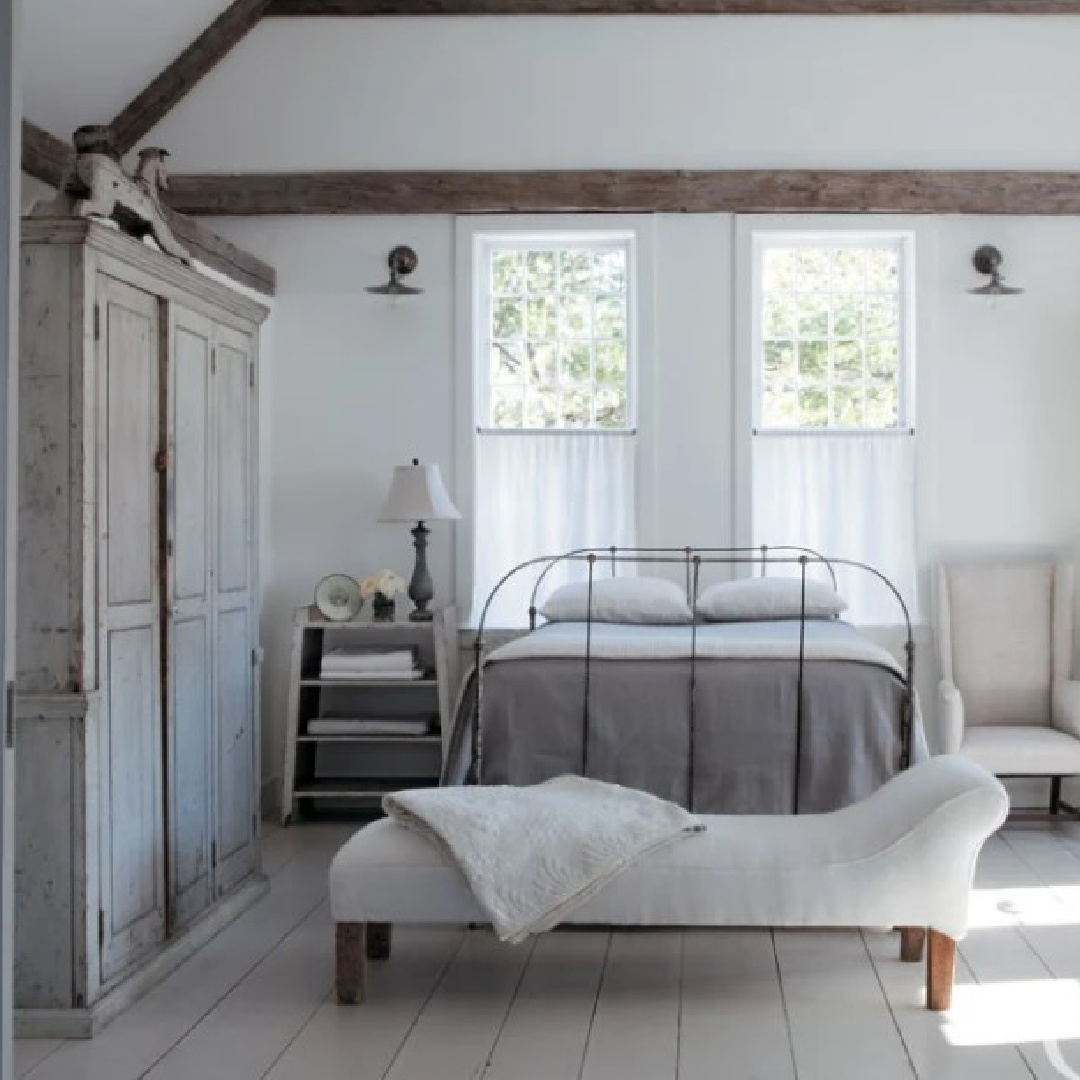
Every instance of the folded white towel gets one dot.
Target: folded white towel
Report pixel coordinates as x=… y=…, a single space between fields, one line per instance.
x=533 y=854
x=346 y=659
x=371 y=675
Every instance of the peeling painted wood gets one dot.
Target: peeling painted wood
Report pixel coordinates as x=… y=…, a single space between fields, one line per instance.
x=757 y=191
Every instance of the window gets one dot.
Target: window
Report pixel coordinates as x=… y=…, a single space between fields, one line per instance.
x=558 y=336
x=554 y=452
x=832 y=448
x=831 y=340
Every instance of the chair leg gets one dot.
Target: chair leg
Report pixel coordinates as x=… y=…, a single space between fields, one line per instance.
x=1055 y=794
x=912 y=939
x=940 y=971
x=378 y=940
x=351 y=962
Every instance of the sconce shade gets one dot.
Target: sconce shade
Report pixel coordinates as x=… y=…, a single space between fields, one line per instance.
x=402 y=262
x=417 y=494
x=987 y=260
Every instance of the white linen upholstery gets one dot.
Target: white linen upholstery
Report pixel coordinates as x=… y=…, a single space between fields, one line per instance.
x=903 y=857
x=1004 y=638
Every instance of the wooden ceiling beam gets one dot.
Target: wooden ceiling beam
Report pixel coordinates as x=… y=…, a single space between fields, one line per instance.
x=630 y=191
x=345 y=8
x=204 y=53
x=44 y=156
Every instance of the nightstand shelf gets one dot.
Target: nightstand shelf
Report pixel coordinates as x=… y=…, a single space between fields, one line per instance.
x=352 y=770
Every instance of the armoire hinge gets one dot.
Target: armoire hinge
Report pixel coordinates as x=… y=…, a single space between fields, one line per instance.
x=251 y=374
x=101 y=928
x=97 y=322
x=161 y=461
x=9 y=717
x=213 y=361
x=213 y=853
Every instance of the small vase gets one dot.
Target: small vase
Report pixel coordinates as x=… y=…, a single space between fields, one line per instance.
x=382 y=608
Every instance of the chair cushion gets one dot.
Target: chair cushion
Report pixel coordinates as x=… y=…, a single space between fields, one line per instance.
x=1002 y=621
x=1022 y=750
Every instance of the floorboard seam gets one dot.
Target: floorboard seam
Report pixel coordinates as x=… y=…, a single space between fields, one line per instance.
x=258 y=963
x=509 y=1007
x=678 y=1023
x=784 y=1005
x=888 y=1005
x=37 y=1065
x=595 y=1006
x=296 y=1035
x=436 y=983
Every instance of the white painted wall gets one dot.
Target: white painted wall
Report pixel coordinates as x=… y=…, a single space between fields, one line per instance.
x=961 y=91
x=358 y=386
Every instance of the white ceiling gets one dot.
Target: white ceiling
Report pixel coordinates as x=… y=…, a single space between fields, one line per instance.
x=84 y=60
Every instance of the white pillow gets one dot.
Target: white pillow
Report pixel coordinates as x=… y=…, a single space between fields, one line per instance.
x=619 y=600
x=768 y=598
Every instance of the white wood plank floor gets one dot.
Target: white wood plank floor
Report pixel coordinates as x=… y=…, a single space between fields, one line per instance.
x=702 y=1005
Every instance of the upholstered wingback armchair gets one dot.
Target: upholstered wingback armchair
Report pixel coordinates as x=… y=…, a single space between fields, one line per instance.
x=1007 y=699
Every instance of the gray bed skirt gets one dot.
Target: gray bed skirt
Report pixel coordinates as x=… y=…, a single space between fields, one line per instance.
x=639 y=729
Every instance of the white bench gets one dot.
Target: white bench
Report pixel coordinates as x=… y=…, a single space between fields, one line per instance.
x=904 y=857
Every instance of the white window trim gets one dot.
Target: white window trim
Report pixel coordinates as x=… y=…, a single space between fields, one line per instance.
x=469 y=232
x=762 y=240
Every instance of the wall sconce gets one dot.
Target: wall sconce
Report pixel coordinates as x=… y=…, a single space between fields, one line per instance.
x=402 y=262
x=987 y=260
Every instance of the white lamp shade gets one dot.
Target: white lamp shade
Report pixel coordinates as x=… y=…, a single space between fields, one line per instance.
x=417 y=494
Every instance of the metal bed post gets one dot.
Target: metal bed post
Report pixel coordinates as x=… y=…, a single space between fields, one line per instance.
x=799 y=686
x=588 y=670
x=696 y=577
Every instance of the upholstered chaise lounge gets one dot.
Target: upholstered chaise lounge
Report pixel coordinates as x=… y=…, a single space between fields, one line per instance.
x=904 y=857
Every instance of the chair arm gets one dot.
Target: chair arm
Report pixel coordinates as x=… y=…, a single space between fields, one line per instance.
x=950 y=718
x=1065 y=702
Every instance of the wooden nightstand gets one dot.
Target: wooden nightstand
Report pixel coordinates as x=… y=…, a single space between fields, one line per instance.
x=354 y=771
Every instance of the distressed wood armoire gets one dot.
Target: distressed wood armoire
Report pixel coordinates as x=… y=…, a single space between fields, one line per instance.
x=137 y=736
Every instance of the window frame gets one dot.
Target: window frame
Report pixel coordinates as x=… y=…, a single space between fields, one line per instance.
x=835 y=237
x=488 y=242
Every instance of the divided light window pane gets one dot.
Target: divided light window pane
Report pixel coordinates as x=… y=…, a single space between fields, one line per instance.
x=831 y=336
x=557 y=341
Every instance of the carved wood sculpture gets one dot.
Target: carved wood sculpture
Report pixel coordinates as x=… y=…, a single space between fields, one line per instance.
x=97 y=186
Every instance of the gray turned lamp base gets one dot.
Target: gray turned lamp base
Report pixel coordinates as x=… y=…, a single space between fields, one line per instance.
x=421 y=588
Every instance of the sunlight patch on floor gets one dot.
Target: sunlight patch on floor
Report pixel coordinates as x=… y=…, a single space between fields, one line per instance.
x=1013 y=1013
x=1033 y=906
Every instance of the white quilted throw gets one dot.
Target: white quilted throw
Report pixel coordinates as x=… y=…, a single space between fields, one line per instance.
x=533 y=854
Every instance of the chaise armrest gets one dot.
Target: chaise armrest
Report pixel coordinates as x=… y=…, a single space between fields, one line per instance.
x=950 y=718
x=1065 y=701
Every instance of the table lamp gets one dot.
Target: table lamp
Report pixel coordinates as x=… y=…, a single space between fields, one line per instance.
x=417 y=494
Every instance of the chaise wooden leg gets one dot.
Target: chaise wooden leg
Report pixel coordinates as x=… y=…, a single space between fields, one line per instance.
x=378 y=941
x=940 y=971
x=1055 y=794
x=351 y=962
x=912 y=939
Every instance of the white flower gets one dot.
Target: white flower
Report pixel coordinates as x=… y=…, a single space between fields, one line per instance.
x=385 y=582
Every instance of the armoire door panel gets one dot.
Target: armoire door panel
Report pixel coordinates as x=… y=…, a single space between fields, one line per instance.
x=234 y=467
x=130 y=436
x=190 y=620
x=132 y=850
x=234 y=607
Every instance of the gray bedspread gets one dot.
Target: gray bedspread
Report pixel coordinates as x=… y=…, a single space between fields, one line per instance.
x=744 y=728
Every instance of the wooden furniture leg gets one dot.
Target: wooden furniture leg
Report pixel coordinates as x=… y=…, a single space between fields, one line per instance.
x=940 y=971
x=378 y=940
x=912 y=939
x=351 y=962
x=1055 y=794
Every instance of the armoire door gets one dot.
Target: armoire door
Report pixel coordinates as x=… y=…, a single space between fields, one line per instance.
x=132 y=860
x=234 y=607
x=189 y=616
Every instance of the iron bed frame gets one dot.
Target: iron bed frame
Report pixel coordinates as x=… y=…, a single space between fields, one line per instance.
x=693 y=559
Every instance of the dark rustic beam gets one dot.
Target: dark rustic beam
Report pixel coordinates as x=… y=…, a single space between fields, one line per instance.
x=671 y=7
x=147 y=110
x=44 y=156
x=635 y=191
x=221 y=255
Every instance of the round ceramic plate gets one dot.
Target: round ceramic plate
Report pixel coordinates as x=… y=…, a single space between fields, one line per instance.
x=338 y=597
